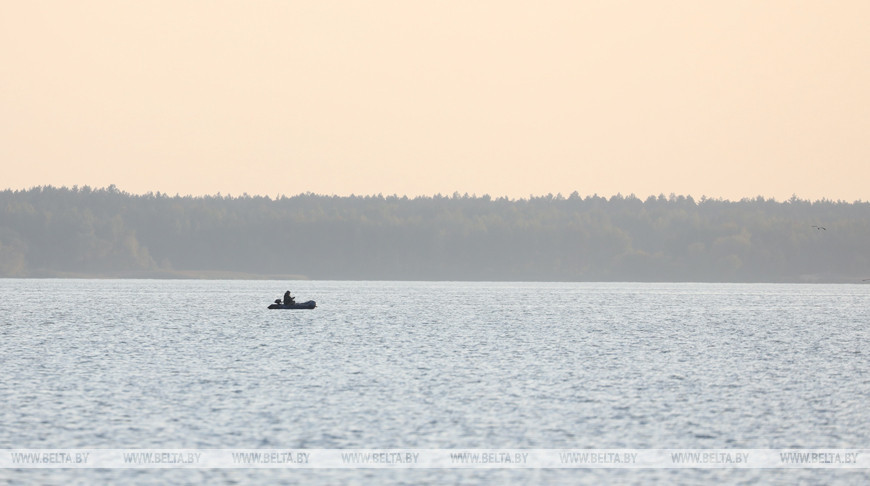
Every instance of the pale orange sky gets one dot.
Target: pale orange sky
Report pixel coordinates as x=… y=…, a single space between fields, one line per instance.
x=723 y=98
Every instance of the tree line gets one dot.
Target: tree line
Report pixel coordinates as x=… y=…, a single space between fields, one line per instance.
x=82 y=231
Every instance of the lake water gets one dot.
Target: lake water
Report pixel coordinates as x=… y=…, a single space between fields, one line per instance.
x=203 y=364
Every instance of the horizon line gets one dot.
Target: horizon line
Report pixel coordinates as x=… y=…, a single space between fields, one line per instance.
x=454 y=195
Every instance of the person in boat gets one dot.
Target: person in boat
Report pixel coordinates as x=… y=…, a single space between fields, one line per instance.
x=288 y=299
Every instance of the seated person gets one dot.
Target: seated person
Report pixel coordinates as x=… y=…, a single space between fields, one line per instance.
x=288 y=299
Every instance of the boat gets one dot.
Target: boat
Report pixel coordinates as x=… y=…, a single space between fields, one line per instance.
x=296 y=305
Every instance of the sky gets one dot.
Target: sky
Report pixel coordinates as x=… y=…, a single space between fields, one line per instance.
x=725 y=99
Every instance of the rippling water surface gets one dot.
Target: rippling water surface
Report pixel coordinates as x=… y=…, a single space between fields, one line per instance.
x=204 y=364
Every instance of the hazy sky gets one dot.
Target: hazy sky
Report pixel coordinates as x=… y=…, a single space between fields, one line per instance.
x=719 y=98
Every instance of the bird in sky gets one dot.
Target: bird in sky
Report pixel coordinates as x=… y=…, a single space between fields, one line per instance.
x=820 y=228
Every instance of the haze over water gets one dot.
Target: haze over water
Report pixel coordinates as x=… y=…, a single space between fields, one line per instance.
x=204 y=364
x=739 y=100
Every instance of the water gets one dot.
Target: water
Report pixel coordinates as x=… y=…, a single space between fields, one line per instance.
x=204 y=364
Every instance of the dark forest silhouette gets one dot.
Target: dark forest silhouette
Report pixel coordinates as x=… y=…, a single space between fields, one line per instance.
x=48 y=231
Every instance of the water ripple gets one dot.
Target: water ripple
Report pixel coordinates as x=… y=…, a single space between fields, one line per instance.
x=203 y=364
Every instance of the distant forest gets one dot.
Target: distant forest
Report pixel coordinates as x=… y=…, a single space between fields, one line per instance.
x=80 y=231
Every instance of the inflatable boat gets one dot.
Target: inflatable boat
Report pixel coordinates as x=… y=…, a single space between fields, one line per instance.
x=296 y=305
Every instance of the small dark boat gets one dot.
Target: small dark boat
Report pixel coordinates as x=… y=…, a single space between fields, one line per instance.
x=296 y=305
